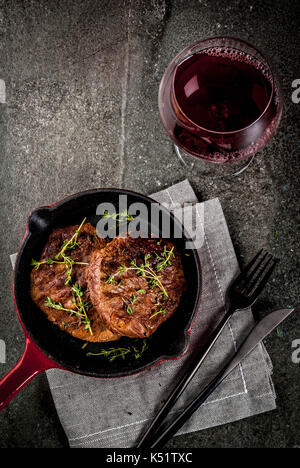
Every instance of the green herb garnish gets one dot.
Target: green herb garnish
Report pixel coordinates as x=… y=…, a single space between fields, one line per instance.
x=79 y=311
x=110 y=279
x=145 y=271
x=138 y=353
x=129 y=304
x=163 y=310
x=59 y=306
x=37 y=265
x=113 y=353
x=82 y=306
x=68 y=261
x=165 y=258
x=118 y=217
x=72 y=243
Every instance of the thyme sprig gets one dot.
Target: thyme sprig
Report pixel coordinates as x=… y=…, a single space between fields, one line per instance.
x=165 y=258
x=68 y=261
x=70 y=325
x=138 y=353
x=118 y=217
x=49 y=261
x=110 y=279
x=113 y=353
x=80 y=309
x=58 y=306
x=162 y=310
x=37 y=264
x=71 y=243
x=145 y=271
x=129 y=303
x=82 y=306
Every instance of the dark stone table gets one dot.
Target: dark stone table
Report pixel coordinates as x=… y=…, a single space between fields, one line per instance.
x=81 y=112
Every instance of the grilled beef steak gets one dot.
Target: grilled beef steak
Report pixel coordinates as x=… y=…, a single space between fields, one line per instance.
x=48 y=281
x=135 y=284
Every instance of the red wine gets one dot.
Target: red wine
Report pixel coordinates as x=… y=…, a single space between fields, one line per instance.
x=221 y=103
x=221 y=92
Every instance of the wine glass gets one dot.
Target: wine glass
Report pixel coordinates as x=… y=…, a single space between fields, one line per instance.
x=220 y=102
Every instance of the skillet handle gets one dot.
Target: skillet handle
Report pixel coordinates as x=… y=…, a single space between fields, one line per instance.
x=31 y=364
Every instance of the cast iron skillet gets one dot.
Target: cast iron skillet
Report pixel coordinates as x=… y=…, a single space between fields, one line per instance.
x=49 y=347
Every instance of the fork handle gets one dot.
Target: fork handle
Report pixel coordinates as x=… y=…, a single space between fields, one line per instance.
x=183 y=382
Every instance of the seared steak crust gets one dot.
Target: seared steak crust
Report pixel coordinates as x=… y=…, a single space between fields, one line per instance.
x=130 y=304
x=49 y=281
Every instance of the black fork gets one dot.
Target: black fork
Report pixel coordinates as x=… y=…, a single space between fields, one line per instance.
x=242 y=294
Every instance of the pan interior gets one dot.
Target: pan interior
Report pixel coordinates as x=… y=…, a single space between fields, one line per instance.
x=169 y=341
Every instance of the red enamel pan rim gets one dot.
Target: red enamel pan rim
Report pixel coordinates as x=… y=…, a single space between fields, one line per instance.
x=51 y=362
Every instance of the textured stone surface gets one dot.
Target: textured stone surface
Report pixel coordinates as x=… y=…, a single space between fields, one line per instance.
x=81 y=112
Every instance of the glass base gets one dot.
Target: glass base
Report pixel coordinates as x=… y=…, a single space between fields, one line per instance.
x=209 y=169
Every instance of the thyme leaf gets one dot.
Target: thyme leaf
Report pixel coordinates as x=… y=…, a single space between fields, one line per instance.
x=145 y=271
x=138 y=353
x=163 y=310
x=37 y=264
x=165 y=258
x=113 y=353
x=118 y=217
x=68 y=261
x=110 y=279
x=49 y=261
x=129 y=304
x=57 y=305
x=72 y=243
x=82 y=306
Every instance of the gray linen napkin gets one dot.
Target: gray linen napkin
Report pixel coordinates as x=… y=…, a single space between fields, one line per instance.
x=115 y=412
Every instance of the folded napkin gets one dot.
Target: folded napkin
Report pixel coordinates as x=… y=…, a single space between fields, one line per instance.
x=115 y=412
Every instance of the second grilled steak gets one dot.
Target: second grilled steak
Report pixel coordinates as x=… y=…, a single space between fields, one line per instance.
x=135 y=284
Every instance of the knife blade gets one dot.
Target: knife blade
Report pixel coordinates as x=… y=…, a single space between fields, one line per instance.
x=263 y=328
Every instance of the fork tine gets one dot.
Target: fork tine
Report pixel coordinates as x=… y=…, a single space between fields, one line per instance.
x=262 y=279
x=251 y=263
x=258 y=272
x=250 y=269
